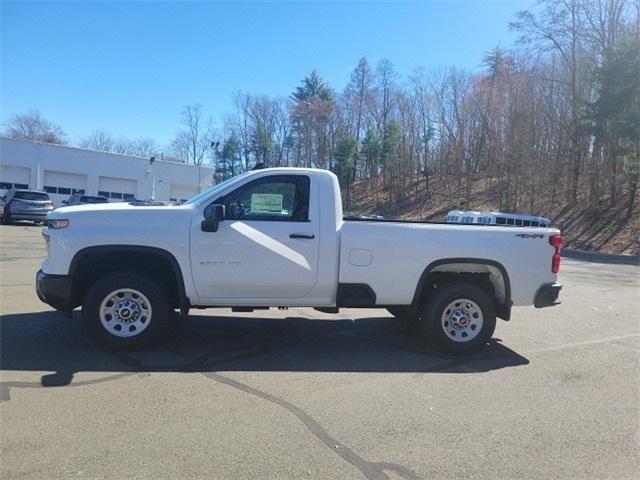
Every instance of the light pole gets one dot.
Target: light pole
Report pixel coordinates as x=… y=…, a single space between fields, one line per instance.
x=214 y=151
x=153 y=177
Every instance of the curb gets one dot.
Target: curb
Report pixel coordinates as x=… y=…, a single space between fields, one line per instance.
x=601 y=257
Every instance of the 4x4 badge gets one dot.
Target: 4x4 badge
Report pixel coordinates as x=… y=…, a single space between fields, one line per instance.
x=529 y=235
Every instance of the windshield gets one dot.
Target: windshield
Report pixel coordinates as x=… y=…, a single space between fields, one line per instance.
x=94 y=199
x=211 y=191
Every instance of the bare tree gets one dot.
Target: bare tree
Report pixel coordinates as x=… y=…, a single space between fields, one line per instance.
x=99 y=139
x=192 y=142
x=32 y=126
x=104 y=141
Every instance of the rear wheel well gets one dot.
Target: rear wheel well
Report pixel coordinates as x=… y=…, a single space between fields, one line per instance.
x=490 y=277
x=437 y=280
x=88 y=267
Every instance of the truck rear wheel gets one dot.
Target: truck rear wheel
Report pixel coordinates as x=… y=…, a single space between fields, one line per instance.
x=459 y=318
x=126 y=310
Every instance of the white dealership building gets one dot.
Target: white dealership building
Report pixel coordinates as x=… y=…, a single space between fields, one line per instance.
x=61 y=171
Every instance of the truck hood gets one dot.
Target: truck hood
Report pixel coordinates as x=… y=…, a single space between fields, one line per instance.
x=123 y=215
x=110 y=208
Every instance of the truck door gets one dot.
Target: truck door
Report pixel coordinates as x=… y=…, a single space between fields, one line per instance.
x=266 y=247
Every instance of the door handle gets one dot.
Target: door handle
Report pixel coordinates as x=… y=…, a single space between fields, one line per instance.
x=305 y=236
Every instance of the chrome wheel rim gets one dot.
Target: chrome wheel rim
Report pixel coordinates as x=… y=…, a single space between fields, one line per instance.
x=462 y=320
x=125 y=312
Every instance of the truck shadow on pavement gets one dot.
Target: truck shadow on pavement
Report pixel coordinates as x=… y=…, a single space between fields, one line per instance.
x=45 y=341
x=215 y=346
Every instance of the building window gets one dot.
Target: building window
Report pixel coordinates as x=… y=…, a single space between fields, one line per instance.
x=116 y=195
x=103 y=194
x=6 y=185
x=62 y=190
x=21 y=185
x=128 y=196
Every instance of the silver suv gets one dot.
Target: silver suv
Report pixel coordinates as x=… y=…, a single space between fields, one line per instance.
x=21 y=204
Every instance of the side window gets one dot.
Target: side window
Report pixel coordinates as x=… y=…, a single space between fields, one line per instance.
x=274 y=198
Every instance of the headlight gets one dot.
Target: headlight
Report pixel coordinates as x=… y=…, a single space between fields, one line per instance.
x=57 y=224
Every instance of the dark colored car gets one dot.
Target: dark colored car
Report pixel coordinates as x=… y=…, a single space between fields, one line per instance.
x=80 y=199
x=19 y=204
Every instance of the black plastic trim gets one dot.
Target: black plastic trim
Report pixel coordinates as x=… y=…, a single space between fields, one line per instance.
x=55 y=290
x=547 y=295
x=183 y=300
x=503 y=309
x=355 y=295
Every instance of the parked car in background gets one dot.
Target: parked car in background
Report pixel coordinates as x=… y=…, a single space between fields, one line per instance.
x=19 y=204
x=80 y=199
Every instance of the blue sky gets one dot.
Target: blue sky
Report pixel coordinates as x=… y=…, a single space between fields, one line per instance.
x=129 y=67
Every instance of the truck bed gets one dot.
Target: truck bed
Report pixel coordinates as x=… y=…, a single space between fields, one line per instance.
x=389 y=254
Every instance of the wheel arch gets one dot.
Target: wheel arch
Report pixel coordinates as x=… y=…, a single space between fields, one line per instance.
x=496 y=272
x=108 y=258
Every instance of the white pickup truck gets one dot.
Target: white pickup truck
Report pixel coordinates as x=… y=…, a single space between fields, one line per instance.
x=276 y=238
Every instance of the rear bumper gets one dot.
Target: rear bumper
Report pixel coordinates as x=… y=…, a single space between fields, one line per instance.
x=55 y=290
x=34 y=216
x=547 y=295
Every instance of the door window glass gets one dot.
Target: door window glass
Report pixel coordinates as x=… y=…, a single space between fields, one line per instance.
x=273 y=198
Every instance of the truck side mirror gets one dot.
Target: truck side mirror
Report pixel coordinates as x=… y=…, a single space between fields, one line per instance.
x=213 y=215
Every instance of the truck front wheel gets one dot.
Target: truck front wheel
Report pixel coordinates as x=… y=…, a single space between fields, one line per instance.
x=126 y=310
x=459 y=318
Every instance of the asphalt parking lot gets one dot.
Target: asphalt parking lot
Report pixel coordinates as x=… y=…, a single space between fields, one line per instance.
x=301 y=394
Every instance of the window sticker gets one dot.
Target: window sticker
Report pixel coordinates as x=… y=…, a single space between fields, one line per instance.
x=266 y=203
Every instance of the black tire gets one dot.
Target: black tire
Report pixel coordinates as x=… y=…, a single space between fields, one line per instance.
x=404 y=314
x=154 y=323
x=433 y=323
x=5 y=220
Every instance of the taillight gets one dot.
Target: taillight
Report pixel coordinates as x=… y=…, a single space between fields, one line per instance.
x=556 y=242
x=57 y=223
x=48 y=203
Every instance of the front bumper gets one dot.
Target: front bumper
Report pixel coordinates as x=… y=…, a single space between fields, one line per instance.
x=55 y=290
x=547 y=295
